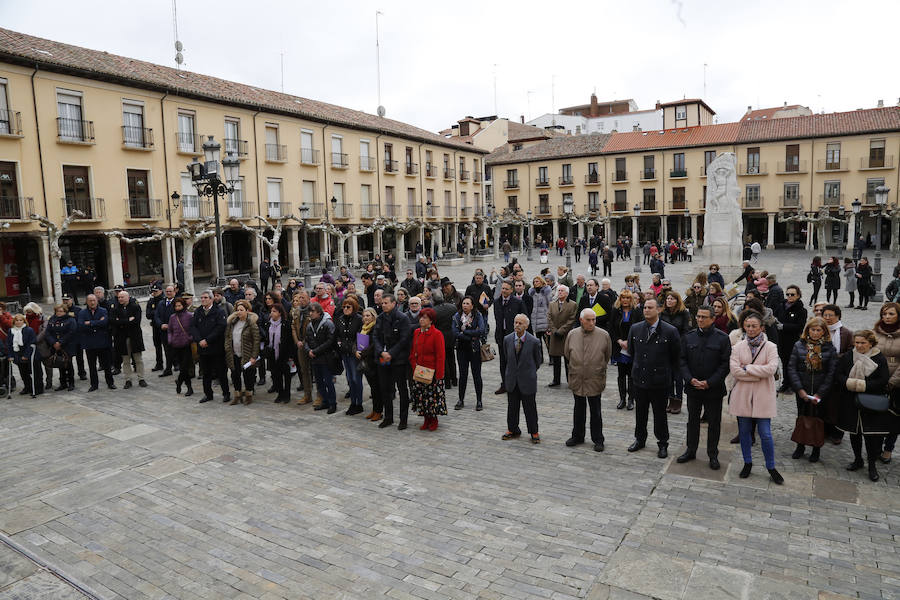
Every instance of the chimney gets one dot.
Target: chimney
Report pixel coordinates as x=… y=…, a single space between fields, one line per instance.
x=785 y=103
x=881 y=104
x=522 y=119
x=595 y=110
x=636 y=128
x=749 y=108
x=657 y=105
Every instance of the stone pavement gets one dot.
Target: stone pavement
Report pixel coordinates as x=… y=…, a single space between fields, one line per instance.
x=145 y=494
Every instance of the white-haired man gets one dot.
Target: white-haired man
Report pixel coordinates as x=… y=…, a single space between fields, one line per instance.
x=560 y=320
x=587 y=349
x=523 y=358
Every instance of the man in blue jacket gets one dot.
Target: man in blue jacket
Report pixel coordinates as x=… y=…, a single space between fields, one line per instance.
x=208 y=330
x=93 y=327
x=392 y=335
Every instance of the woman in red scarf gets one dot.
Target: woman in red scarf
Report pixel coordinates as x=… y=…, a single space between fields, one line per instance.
x=427 y=350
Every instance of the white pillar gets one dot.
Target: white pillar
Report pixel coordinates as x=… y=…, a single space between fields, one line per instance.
x=663 y=234
x=114 y=262
x=455 y=236
x=694 y=228
x=482 y=232
x=376 y=243
x=770 y=244
x=341 y=252
x=293 y=244
x=255 y=258
x=555 y=232
x=167 y=256
x=851 y=233
x=470 y=234
x=809 y=235
x=496 y=231
x=422 y=240
x=354 y=250
x=325 y=246
x=440 y=242
x=46 y=271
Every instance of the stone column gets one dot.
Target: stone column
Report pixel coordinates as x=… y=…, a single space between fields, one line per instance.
x=470 y=234
x=555 y=231
x=376 y=244
x=114 y=261
x=851 y=233
x=663 y=234
x=496 y=231
x=214 y=263
x=400 y=251
x=325 y=247
x=167 y=256
x=293 y=248
x=45 y=261
x=422 y=240
x=341 y=252
x=694 y=228
x=440 y=241
x=770 y=244
x=455 y=236
x=809 y=235
x=255 y=257
x=354 y=250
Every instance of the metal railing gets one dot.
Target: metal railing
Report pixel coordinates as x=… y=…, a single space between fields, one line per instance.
x=10 y=122
x=137 y=137
x=832 y=165
x=94 y=209
x=544 y=209
x=144 y=208
x=790 y=202
x=312 y=210
x=511 y=185
x=239 y=147
x=431 y=171
x=539 y=182
x=873 y=162
x=16 y=208
x=758 y=169
x=189 y=143
x=413 y=210
x=477 y=177
x=392 y=210
x=342 y=210
x=648 y=174
x=619 y=176
x=592 y=178
x=620 y=207
x=449 y=173
x=592 y=207
x=677 y=204
x=432 y=211
x=412 y=168
x=465 y=211
x=367 y=163
x=309 y=156
x=868 y=199
x=370 y=211
x=647 y=206
x=831 y=199
x=75 y=130
x=464 y=175
x=675 y=173
x=391 y=166
x=339 y=160
x=277 y=210
x=276 y=153
x=566 y=180
x=194 y=207
x=753 y=202
x=787 y=166
x=450 y=211
x=239 y=210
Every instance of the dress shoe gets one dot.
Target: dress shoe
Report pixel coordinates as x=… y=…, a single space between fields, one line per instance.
x=71 y=387
x=370 y=415
x=156 y=368
x=535 y=438
x=401 y=426
x=689 y=455
x=331 y=409
x=354 y=409
x=856 y=465
x=271 y=390
x=714 y=463
x=189 y=392
x=319 y=407
x=510 y=435
x=385 y=423
x=745 y=472
x=736 y=439
x=110 y=386
x=621 y=404
x=630 y=405
x=500 y=390
x=675 y=406
x=478 y=405
x=799 y=451
x=776 y=476
x=27 y=391
x=127 y=385
x=226 y=398
x=598 y=447
x=814 y=455
x=165 y=373
x=573 y=442
x=635 y=446
x=347 y=396
x=142 y=383
x=205 y=399
x=663 y=451
x=553 y=384
x=459 y=405
x=177 y=387
x=116 y=372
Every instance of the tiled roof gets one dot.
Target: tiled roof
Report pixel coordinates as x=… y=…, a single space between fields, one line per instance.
x=519 y=132
x=768 y=113
x=93 y=64
x=687 y=101
x=872 y=120
x=553 y=148
x=706 y=135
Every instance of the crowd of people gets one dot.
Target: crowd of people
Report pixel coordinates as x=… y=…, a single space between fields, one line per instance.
x=418 y=337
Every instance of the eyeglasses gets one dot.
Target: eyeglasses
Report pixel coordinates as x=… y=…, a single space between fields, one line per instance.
x=696 y=287
x=790 y=294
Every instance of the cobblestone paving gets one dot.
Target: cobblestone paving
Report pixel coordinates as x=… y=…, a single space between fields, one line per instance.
x=145 y=494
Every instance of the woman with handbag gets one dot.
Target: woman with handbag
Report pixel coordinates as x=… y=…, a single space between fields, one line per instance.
x=242 y=348
x=469 y=331
x=61 y=336
x=864 y=283
x=426 y=359
x=887 y=332
x=815 y=278
x=320 y=347
x=862 y=375
x=368 y=363
x=279 y=346
x=180 y=341
x=810 y=371
x=623 y=317
x=348 y=325
x=21 y=348
x=754 y=361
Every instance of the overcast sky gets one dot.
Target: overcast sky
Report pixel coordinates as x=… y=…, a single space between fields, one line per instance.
x=439 y=59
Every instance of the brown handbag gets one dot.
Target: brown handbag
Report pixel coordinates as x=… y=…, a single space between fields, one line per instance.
x=487 y=353
x=809 y=431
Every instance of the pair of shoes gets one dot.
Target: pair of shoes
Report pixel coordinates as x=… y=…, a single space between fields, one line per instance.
x=799 y=451
x=426 y=424
x=127 y=385
x=814 y=455
x=885 y=457
x=635 y=446
x=71 y=387
x=434 y=424
x=856 y=465
x=304 y=400
x=736 y=439
x=621 y=404
x=663 y=451
x=370 y=415
x=535 y=438
x=714 y=463
x=142 y=383
x=573 y=442
x=500 y=390
x=776 y=476
x=509 y=435
x=689 y=455
x=354 y=409
x=205 y=399
x=376 y=416
x=385 y=423
x=630 y=405
x=478 y=405
x=745 y=472
x=598 y=447
x=459 y=405
x=237 y=399
x=849 y=306
x=156 y=368
x=553 y=384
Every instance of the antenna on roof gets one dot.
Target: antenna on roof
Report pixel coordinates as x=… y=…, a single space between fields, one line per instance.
x=495 y=90
x=553 y=97
x=704 y=80
x=179 y=57
x=381 y=110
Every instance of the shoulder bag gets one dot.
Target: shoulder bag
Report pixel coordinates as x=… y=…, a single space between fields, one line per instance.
x=421 y=373
x=195 y=350
x=873 y=402
x=487 y=352
x=809 y=430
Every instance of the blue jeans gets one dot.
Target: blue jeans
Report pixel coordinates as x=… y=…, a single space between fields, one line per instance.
x=764 y=428
x=324 y=384
x=354 y=379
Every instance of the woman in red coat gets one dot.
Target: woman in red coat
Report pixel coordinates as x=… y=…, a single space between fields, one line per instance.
x=427 y=350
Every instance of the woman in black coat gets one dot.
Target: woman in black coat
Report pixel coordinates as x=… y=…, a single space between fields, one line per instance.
x=675 y=314
x=62 y=338
x=793 y=320
x=625 y=313
x=832 y=279
x=347 y=325
x=864 y=283
x=863 y=370
x=815 y=278
x=810 y=372
x=279 y=343
x=319 y=345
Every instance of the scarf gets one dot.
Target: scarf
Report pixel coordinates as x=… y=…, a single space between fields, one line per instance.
x=756 y=343
x=863 y=365
x=835 y=332
x=888 y=328
x=366 y=328
x=18 y=342
x=466 y=320
x=274 y=337
x=814 y=355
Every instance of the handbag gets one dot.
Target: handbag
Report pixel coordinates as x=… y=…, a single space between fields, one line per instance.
x=423 y=374
x=59 y=360
x=195 y=350
x=809 y=431
x=873 y=402
x=487 y=352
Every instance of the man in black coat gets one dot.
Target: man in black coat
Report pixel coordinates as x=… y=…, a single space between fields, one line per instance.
x=265 y=273
x=654 y=346
x=592 y=297
x=392 y=335
x=658 y=266
x=156 y=295
x=412 y=285
x=520 y=293
x=444 y=311
x=208 y=330
x=747 y=274
x=705 y=352
x=73 y=311
x=478 y=287
x=128 y=339
x=233 y=292
x=164 y=311
x=505 y=310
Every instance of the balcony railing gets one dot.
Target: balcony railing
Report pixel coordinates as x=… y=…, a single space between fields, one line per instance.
x=137 y=137
x=513 y=209
x=648 y=174
x=831 y=199
x=566 y=180
x=339 y=160
x=464 y=175
x=592 y=178
x=592 y=207
x=477 y=177
x=278 y=210
x=677 y=205
x=432 y=211
x=367 y=163
x=539 y=182
x=392 y=210
x=391 y=166
x=189 y=143
x=677 y=173
x=194 y=207
x=276 y=153
x=413 y=210
x=511 y=184
x=544 y=209
x=450 y=211
x=619 y=176
x=831 y=165
x=753 y=202
x=872 y=162
x=16 y=208
x=620 y=207
x=239 y=210
x=370 y=211
x=309 y=156
x=648 y=206
x=311 y=210
x=342 y=210
x=466 y=211
x=143 y=208
x=10 y=123
x=431 y=171
x=868 y=199
x=412 y=168
x=94 y=209
x=791 y=166
x=449 y=173
x=759 y=169
x=790 y=202
x=479 y=210
x=240 y=147
x=75 y=131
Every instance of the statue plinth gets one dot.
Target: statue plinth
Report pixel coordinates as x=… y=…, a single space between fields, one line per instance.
x=722 y=224
x=721 y=245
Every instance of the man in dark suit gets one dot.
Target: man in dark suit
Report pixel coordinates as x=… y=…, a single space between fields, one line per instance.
x=479 y=289
x=208 y=328
x=505 y=310
x=524 y=356
x=520 y=293
x=164 y=311
x=392 y=334
x=654 y=346
x=592 y=297
x=705 y=352
x=265 y=273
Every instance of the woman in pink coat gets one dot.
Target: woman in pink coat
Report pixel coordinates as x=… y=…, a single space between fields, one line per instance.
x=754 y=361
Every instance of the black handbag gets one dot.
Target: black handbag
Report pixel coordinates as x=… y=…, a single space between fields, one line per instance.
x=873 y=402
x=59 y=360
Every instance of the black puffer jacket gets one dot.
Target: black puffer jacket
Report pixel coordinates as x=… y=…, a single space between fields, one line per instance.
x=799 y=377
x=346 y=328
x=680 y=320
x=320 y=338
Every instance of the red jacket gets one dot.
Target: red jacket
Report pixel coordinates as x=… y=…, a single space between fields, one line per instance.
x=428 y=350
x=327 y=304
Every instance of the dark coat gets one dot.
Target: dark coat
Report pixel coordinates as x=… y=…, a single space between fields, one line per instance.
x=832 y=276
x=658 y=266
x=521 y=370
x=445 y=312
x=775 y=301
x=715 y=278
x=528 y=303
x=600 y=299
x=393 y=334
x=346 y=329
x=125 y=322
x=656 y=358
x=164 y=311
x=413 y=286
x=29 y=341
x=150 y=310
x=746 y=275
x=705 y=356
x=93 y=335
x=65 y=331
x=793 y=320
x=854 y=419
x=210 y=326
x=680 y=320
x=812 y=382
x=321 y=340
x=265 y=271
x=864 y=282
x=232 y=296
x=471 y=336
x=504 y=315
x=286 y=348
x=474 y=290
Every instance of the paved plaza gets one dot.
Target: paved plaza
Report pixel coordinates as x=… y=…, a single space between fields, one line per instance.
x=144 y=494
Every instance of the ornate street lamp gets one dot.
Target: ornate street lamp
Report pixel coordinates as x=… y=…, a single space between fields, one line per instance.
x=206 y=178
x=881 y=198
x=635 y=244
x=568 y=208
x=856 y=205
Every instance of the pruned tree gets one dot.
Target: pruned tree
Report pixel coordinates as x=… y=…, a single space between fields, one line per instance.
x=267 y=226
x=54 y=232
x=189 y=233
x=819 y=220
x=342 y=236
x=893 y=214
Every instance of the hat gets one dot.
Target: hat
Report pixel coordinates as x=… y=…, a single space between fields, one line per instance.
x=380 y=276
x=66 y=297
x=153 y=288
x=445 y=281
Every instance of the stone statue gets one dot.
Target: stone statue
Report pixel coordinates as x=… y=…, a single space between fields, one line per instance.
x=723 y=225
x=820 y=220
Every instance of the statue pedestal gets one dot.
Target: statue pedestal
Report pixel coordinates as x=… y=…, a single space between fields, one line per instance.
x=722 y=243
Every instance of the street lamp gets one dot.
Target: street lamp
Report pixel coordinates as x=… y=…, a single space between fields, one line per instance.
x=856 y=205
x=530 y=241
x=881 y=198
x=207 y=180
x=635 y=244
x=568 y=207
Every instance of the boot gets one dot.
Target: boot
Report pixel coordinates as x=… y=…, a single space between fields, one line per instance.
x=376 y=417
x=248 y=397
x=190 y=390
x=178 y=387
x=675 y=406
x=621 y=403
x=459 y=405
x=873 y=472
x=370 y=415
x=434 y=425
x=630 y=405
x=237 y=398
x=426 y=425
x=478 y=405
x=799 y=451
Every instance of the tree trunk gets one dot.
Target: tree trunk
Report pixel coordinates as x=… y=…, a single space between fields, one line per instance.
x=57 y=276
x=823 y=245
x=895 y=233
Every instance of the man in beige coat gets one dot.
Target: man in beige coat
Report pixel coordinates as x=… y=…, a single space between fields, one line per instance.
x=587 y=350
x=560 y=317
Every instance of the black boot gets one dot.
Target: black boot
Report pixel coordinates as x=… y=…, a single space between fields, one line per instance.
x=630 y=405
x=621 y=403
x=190 y=390
x=459 y=405
x=873 y=472
x=799 y=451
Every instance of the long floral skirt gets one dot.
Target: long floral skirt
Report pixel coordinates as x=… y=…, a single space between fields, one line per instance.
x=428 y=399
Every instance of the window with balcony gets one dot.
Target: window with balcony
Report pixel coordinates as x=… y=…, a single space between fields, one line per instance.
x=876 y=154
x=275 y=152
x=476 y=170
x=447 y=170
x=566 y=178
x=412 y=209
x=449 y=209
x=390 y=165
x=273 y=194
x=752 y=198
x=338 y=158
x=366 y=160
x=679 y=201
x=753 y=161
x=832 y=196
x=512 y=178
x=543 y=204
x=792 y=158
x=190 y=200
x=430 y=170
x=593 y=175
x=138 y=194
x=620 y=174
x=543 y=178
x=678 y=168
x=390 y=209
x=620 y=203
x=593 y=203
x=649 y=200
x=833 y=156
x=871 y=184
x=232 y=140
x=72 y=126
x=134 y=135
x=308 y=152
x=10 y=204
x=649 y=167
x=369 y=210
x=236 y=207
x=341 y=208
x=6 y=121
x=188 y=140
x=791 y=197
x=77 y=186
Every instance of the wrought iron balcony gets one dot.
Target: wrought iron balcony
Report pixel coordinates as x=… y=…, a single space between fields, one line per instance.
x=620 y=207
x=370 y=211
x=140 y=138
x=648 y=174
x=431 y=171
x=872 y=162
x=16 y=208
x=790 y=202
x=477 y=177
x=240 y=210
x=413 y=210
x=543 y=209
x=391 y=166
x=10 y=123
x=392 y=210
x=276 y=153
x=678 y=173
x=464 y=175
x=592 y=179
x=466 y=211
x=831 y=199
x=566 y=180
x=647 y=206
x=339 y=160
x=311 y=210
x=367 y=163
x=449 y=173
x=791 y=166
x=432 y=211
x=75 y=131
x=759 y=169
x=539 y=182
x=619 y=176
x=412 y=168
x=753 y=202
x=94 y=209
x=309 y=156
x=824 y=166
x=342 y=210
x=593 y=207
x=143 y=208
x=450 y=211
x=189 y=143
x=511 y=184
x=240 y=148
x=678 y=205
x=278 y=210
x=194 y=207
